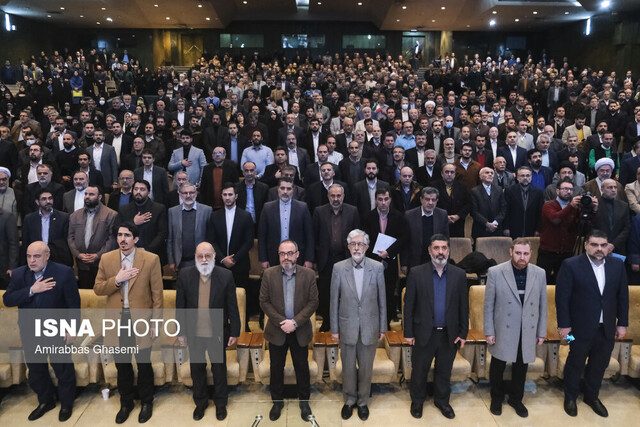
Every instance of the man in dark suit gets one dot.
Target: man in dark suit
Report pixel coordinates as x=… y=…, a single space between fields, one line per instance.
x=298 y=156
x=454 y=198
x=488 y=207
x=481 y=154
x=423 y=222
x=150 y=217
x=364 y=190
x=285 y=219
x=383 y=219
x=216 y=173
x=352 y=168
x=332 y=222
x=317 y=194
x=123 y=195
x=45 y=284
x=289 y=297
x=232 y=142
x=524 y=206
x=405 y=195
x=592 y=304
x=515 y=155
x=121 y=142
x=232 y=246
x=436 y=320
x=48 y=225
x=9 y=243
x=613 y=217
x=289 y=128
x=45 y=182
x=156 y=176
x=204 y=287
x=629 y=166
x=252 y=194
x=431 y=170
x=289 y=172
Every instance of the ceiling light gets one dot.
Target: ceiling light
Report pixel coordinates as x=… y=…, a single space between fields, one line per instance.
x=244 y=2
x=207 y=18
x=199 y=5
x=48 y=16
x=359 y=3
x=62 y=8
x=566 y=13
x=109 y=19
x=413 y=30
x=517 y=20
x=397 y=20
x=468 y=25
x=167 y=18
x=492 y=23
x=535 y=13
x=495 y=12
x=155 y=5
x=404 y=7
x=104 y=8
x=443 y=8
x=605 y=4
x=433 y=20
x=81 y=16
x=98 y=23
x=319 y=3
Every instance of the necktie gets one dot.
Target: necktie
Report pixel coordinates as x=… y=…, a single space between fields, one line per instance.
x=489 y=191
x=88 y=230
x=449 y=191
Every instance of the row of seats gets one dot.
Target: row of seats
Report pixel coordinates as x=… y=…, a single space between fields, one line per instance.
x=392 y=362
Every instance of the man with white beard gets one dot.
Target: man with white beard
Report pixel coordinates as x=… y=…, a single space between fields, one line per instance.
x=205 y=288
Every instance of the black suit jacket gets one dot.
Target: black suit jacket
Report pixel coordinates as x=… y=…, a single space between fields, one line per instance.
x=282 y=135
x=521 y=157
x=213 y=137
x=58 y=233
x=159 y=184
x=413 y=254
x=222 y=296
x=114 y=200
x=619 y=233
x=312 y=173
x=360 y=195
x=307 y=144
x=418 y=304
x=579 y=302
x=322 y=231
x=519 y=221
x=154 y=233
x=225 y=142
x=317 y=194
x=241 y=240
x=487 y=209
x=396 y=227
x=57 y=191
x=459 y=203
x=269 y=176
x=260 y=194
x=125 y=149
x=423 y=177
x=229 y=174
x=300 y=231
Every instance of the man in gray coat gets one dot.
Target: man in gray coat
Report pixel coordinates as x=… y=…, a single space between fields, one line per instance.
x=104 y=159
x=358 y=320
x=515 y=311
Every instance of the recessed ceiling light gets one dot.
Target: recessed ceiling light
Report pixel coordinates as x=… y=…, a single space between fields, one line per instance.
x=61 y=8
x=413 y=30
x=104 y=8
x=517 y=20
x=566 y=13
x=167 y=18
x=535 y=12
x=98 y=23
x=605 y=3
x=244 y=2
x=199 y=5
x=48 y=16
x=433 y=20
x=359 y=3
x=109 y=19
x=492 y=22
x=81 y=16
x=495 y=12
x=404 y=7
x=319 y=3
x=397 y=20
x=155 y=5
x=468 y=25
x=207 y=18
x=118 y=38
x=443 y=8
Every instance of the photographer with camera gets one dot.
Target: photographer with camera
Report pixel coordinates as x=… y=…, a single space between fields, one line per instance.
x=564 y=221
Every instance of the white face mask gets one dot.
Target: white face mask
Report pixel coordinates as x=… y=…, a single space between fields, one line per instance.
x=405 y=107
x=30 y=142
x=101 y=102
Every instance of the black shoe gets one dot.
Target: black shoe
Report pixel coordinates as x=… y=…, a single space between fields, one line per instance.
x=42 y=409
x=198 y=413
x=597 y=407
x=521 y=410
x=276 y=410
x=123 y=414
x=496 y=407
x=347 y=411
x=363 y=412
x=446 y=410
x=305 y=411
x=570 y=407
x=416 y=409
x=65 y=414
x=145 y=412
x=221 y=412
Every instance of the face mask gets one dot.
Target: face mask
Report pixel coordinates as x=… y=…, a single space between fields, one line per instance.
x=101 y=102
x=30 y=142
x=405 y=107
x=449 y=125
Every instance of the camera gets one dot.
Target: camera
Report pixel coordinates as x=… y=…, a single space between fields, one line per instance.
x=586 y=205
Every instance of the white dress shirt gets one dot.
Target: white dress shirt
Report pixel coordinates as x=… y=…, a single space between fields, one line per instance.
x=598 y=271
x=127 y=262
x=97 y=156
x=229 y=215
x=78 y=201
x=117 y=145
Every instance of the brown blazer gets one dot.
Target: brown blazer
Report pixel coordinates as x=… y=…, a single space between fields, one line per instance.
x=102 y=239
x=145 y=290
x=592 y=187
x=304 y=305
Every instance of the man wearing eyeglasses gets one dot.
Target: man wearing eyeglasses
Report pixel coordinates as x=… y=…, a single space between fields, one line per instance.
x=289 y=297
x=358 y=320
x=216 y=173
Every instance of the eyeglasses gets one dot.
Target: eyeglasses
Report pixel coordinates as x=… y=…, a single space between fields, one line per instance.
x=288 y=254
x=218 y=153
x=565 y=188
x=358 y=244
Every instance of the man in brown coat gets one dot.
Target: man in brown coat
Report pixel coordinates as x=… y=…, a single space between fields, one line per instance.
x=289 y=297
x=131 y=278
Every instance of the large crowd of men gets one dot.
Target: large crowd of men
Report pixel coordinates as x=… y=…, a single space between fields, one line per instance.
x=299 y=154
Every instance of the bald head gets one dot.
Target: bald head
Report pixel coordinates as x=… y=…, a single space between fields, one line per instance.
x=37 y=256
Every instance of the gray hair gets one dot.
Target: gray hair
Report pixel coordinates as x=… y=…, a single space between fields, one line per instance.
x=543 y=136
x=429 y=190
x=336 y=186
x=355 y=233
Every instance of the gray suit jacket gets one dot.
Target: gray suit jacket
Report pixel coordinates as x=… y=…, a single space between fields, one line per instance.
x=198 y=162
x=174 y=241
x=353 y=317
x=108 y=164
x=68 y=201
x=102 y=238
x=505 y=317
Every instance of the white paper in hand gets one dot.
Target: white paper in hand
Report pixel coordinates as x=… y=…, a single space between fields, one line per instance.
x=383 y=242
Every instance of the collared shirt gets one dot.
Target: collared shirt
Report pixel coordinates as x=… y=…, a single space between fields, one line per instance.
x=36 y=276
x=426 y=213
x=250 y=206
x=289 y=290
x=97 y=156
x=293 y=157
x=234 y=148
x=487 y=188
x=439 y=298
x=88 y=227
x=514 y=154
x=335 y=157
x=194 y=207
x=465 y=165
x=147 y=175
x=406 y=142
x=545 y=159
x=285 y=217
x=262 y=156
x=117 y=145
x=45 y=221
x=127 y=262
x=358 y=276
x=562 y=203
x=33 y=174
x=372 y=192
x=383 y=221
x=598 y=271
x=229 y=215
x=78 y=200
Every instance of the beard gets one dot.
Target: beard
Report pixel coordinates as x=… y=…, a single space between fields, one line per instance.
x=205 y=269
x=358 y=257
x=439 y=260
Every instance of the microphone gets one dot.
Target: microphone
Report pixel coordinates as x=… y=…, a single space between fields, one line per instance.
x=257 y=420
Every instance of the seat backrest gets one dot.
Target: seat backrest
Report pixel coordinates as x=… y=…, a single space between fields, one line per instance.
x=476 y=307
x=169 y=298
x=535 y=245
x=241 y=296
x=460 y=248
x=633 y=331
x=89 y=299
x=496 y=248
x=552 y=318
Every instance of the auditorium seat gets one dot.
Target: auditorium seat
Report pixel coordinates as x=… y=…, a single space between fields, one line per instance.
x=460 y=248
x=496 y=248
x=12 y=367
x=255 y=272
x=236 y=368
x=483 y=356
x=535 y=246
x=633 y=332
